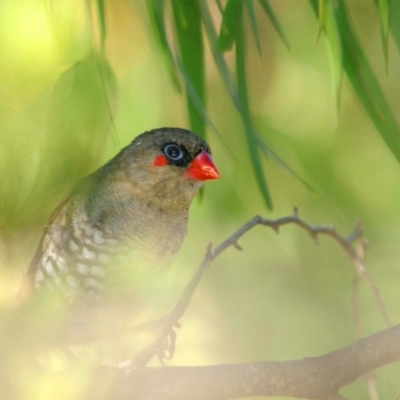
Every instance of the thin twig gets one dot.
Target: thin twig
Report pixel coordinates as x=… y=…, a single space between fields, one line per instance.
x=348 y=244
x=314 y=231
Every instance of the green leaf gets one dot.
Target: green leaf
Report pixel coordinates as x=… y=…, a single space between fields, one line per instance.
x=253 y=22
x=394 y=21
x=251 y=135
x=156 y=9
x=196 y=101
x=364 y=81
x=81 y=108
x=269 y=153
x=321 y=17
x=218 y=58
x=366 y=84
x=187 y=19
x=220 y=6
x=102 y=24
x=239 y=96
x=329 y=24
x=232 y=13
x=383 y=8
x=274 y=20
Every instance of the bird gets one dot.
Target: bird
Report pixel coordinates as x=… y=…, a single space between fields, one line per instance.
x=130 y=214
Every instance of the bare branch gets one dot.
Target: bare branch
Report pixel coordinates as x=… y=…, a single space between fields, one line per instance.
x=312 y=378
x=347 y=243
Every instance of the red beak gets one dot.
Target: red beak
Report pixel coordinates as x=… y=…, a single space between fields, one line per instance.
x=202 y=168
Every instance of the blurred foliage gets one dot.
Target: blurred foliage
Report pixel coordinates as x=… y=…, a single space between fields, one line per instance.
x=346 y=54
x=310 y=85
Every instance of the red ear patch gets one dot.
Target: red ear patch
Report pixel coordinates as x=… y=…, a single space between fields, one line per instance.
x=160 y=161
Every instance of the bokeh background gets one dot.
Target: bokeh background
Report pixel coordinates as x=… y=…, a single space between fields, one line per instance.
x=78 y=82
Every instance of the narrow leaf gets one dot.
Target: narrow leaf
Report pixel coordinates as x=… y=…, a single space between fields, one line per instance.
x=220 y=6
x=383 y=8
x=394 y=21
x=253 y=22
x=251 y=136
x=218 y=58
x=329 y=23
x=156 y=9
x=102 y=24
x=274 y=20
x=364 y=81
x=228 y=31
x=366 y=84
x=197 y=103
x=187 y=20
x=321 y=17
x=269 y=153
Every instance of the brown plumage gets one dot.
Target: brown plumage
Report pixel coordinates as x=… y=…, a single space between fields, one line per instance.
x=135 y=206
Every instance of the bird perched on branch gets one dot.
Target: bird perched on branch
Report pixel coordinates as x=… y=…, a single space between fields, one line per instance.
x=134 y=208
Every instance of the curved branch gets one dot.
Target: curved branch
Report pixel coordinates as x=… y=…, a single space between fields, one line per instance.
x=171 y=320
x=314 y=231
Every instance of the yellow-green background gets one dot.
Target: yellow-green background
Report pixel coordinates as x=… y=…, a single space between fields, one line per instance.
x=283 y=297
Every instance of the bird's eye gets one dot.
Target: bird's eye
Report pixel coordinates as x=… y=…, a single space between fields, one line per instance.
x=173 y=152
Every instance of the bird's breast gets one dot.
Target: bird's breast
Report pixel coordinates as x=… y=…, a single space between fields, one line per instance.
x=86 y=256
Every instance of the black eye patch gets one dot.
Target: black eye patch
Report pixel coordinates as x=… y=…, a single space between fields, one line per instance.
x=177 y=155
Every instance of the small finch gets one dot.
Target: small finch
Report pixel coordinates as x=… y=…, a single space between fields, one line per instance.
x=134 y=208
